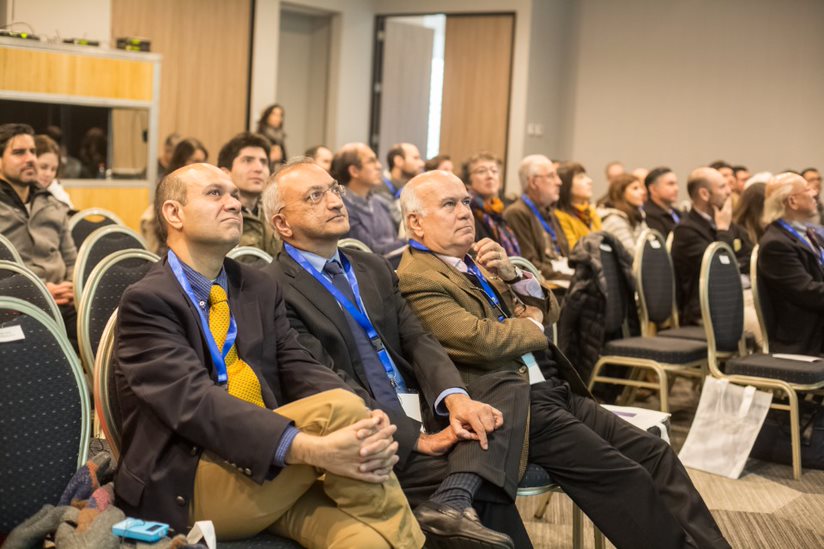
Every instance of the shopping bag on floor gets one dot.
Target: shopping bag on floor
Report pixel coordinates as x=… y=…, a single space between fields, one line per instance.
x=726 y=424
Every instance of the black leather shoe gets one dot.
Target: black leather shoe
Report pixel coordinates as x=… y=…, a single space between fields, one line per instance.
x=448 y=528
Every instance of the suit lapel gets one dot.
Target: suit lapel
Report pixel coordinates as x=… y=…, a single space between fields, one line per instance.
x=327 y=306
x=456 y=277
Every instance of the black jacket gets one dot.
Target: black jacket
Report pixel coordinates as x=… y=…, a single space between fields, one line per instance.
x=659 y=219
x=692 y=237
x=172 y=409
x=581 y=328
x=792 y=280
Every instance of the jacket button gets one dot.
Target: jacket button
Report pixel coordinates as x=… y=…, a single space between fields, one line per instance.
x=193 y=451
x=522 y=369
x=180 y=500
x=248 y=472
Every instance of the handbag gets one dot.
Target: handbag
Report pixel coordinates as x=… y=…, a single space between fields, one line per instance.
x=725 y=427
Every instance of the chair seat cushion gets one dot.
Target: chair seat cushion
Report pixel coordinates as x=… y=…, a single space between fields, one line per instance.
x=661 y=349
x=685 y=332
x=263 y=540
x=791 y=371
x=535 y=477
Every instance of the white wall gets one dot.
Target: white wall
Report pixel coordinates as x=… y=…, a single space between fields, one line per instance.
x=687 y=83
x=67 y=19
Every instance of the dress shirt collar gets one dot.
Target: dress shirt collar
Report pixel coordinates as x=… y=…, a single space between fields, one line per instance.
x=318 y=261
x=456 y=262
x=202 y=286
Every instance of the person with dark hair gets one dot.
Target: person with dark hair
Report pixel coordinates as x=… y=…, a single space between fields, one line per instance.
x=813 y=177
x=48 y=166
x=749 y=211
x=165 y=158
x=245 y=158
x=440 y=162
x=742 y=174
x=94 y=153
x=662 y=193
x=576 y=215
x=35 y=222
x=225 y=416
x=791 y=267
x=403 y=162
x=321 y=155
x=270 y=125
x=186 y=151
x=532 y=219
x=709 y=220
x=70 y=167
x=482 y=176
x=357 y=167
x=622 y=214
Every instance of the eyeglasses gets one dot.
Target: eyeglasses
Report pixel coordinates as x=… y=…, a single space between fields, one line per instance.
x=485 y=170
x=316 y=196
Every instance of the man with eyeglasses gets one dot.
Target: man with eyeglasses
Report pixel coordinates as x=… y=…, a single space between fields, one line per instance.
x=813 y=177
x=225 y=416
x=357 y=167
x=347 y=310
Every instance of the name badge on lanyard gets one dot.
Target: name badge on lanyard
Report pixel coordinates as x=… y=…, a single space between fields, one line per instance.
x=218 y=355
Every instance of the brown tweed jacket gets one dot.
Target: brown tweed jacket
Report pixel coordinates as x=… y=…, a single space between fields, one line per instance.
x=458 y=314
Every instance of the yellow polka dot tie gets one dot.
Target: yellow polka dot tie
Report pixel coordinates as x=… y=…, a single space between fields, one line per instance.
x=243 y=383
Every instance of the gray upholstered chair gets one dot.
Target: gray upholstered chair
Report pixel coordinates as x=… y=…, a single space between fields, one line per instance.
x=8 y=252
x=44 y=412
x=101 y=243
x=17 y=281
x=353 y=243
x=250 y=256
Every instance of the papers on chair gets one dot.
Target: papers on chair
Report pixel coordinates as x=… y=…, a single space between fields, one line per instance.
x=411 y=405
x=641 y=417
x=797 y=358
x=202 y=530
x=11 y=333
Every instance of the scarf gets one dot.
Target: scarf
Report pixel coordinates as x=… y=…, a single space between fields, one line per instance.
x=488 y=213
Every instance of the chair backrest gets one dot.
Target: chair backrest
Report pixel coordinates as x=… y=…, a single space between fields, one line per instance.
x=722 y=299
x=353 y=243
x=105 y=401
x=44 y=412
x=655 y=280
x=617 y=304
x=250 y=256
x=105 y=286
x=761 y=301
x=17 y=281
x=8 y=252
x=101 y=243
x=526 y=265
x=85 y=222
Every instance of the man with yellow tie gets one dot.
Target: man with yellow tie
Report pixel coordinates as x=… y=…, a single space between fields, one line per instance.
x=225 y=417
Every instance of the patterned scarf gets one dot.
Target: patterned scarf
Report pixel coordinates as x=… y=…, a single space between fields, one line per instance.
x=488 y=213
x=584 y=213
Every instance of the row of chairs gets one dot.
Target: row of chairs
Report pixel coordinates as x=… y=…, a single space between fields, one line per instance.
x=717 y=348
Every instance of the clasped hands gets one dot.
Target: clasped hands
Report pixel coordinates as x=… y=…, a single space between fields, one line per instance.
x=364 y=450
x=491 y=256
x=468 y=420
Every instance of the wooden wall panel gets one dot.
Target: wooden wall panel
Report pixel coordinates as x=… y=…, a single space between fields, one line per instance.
x=205 y=72
x=128 y=203
x=66 y=74
x=477 y=73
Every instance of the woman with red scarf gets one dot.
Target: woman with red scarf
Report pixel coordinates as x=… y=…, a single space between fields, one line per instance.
x=482 y=175
x=576 y=216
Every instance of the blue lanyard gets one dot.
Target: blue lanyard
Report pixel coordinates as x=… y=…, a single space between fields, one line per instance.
x=490 y=294
x=812 y=246
x=357 y=312
x=218 y=357
x=544 y=223
x=392 y=188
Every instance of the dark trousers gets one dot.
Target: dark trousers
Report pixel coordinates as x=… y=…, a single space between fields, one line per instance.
x=498 y=466
x=627 y=481
x=69 y=314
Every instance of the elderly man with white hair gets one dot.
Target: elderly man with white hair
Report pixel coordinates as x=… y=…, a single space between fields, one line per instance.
x=532 y=219
x=490 y=317
x=791 y=267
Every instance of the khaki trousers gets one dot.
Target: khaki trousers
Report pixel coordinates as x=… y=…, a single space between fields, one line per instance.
x=302 y=503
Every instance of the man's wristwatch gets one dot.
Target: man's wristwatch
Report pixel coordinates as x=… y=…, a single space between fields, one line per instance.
x=519 y=276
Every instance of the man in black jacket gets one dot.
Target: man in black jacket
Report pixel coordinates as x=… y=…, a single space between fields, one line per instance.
x=225 y=416
x=791 y=267
x=343 y=302
x=662 y=192
x=709 y=220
